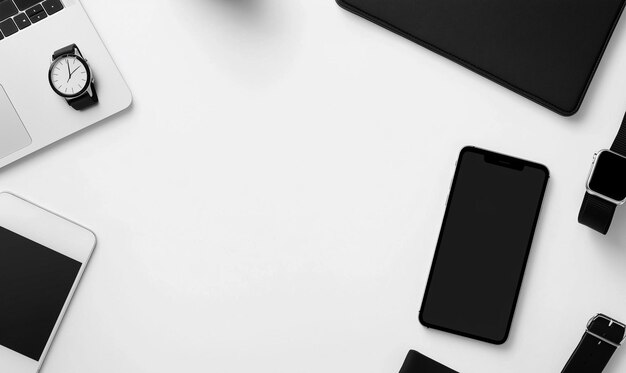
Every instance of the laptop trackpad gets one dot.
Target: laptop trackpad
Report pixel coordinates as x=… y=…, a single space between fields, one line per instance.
x=13 y=135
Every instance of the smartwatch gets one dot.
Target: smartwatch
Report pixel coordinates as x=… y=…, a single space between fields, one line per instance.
x=71 y=78
x=606 y=185
x=602 y=338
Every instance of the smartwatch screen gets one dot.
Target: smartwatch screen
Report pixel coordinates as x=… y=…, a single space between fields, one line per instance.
x=609 y=176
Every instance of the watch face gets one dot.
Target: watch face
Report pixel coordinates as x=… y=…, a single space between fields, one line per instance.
x=69 y=76
x=609 y=176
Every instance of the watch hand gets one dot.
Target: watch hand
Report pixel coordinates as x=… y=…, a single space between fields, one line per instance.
x=72 y=73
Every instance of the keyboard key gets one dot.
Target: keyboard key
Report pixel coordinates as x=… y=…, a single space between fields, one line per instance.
x=25 y=4
x=34 y=10
x=38 y=17
x=21 y=20
x=7 y=9
x=8 y=27
x=36 y=13
x=52 y=6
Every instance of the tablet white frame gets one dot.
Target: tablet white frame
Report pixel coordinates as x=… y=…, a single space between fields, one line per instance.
x=56 y=233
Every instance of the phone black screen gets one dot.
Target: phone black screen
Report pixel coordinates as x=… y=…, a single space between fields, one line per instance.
x=484 y=244
x=35 y=282
x=609 y=177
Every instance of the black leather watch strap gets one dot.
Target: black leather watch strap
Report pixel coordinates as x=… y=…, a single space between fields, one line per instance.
x=601 y=339
x=70 y=49
x=84 y=101
x=619 y=145
x=596 y=213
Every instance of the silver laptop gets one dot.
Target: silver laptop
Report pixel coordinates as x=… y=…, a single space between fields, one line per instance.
x=32 y=115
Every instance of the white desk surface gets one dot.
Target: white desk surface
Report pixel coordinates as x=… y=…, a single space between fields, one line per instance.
x=272 y=200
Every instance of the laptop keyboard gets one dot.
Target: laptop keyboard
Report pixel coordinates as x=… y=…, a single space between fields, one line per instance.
x=16 y=15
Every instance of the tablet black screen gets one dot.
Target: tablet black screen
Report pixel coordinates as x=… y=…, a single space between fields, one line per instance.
x=546 y=50
x=483 y=245
x=34 y=284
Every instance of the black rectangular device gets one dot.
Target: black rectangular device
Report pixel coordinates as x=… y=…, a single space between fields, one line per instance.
x=415 y=362
x=35 y=282
x=545 y=50
x=483 y=246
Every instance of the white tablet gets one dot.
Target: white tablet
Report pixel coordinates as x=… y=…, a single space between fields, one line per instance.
x=42 y=258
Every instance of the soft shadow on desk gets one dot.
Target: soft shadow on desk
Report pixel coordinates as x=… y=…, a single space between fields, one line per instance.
x=616 y=238
x=252 y=42
x=248 y=7
x=618 y=360
x=73 y=137
x=235 y=21
x=251 y=12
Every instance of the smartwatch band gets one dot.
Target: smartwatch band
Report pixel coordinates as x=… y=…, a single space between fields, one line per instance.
x=85 y=100
x=619 y=145
x=595 y=212
x=601 y=339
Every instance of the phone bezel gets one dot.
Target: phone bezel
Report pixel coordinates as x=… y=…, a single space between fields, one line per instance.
x=592 y=174
x=505 y=160
x=56 y=233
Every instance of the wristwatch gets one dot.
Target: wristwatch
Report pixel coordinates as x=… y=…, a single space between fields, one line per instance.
x=606 y=185
x=602 y=338
x=70 y=77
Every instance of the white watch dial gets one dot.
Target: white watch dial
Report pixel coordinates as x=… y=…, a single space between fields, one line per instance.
x=69 y=76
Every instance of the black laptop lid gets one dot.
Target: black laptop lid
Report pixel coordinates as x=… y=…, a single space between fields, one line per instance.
x=546 y=50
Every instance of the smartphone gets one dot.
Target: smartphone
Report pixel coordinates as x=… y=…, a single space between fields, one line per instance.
x=42 y=258
x=483 y=245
